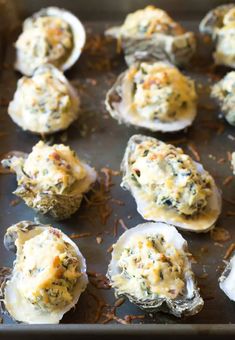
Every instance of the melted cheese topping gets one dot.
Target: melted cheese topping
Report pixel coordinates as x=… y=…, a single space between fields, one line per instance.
x=161 y=91
x=53 y=168
x=224 y=91
x=48 y=270
x=46 y=40
x=150 y=20
x=169 y=178
x=43 y=103
x=150 y=268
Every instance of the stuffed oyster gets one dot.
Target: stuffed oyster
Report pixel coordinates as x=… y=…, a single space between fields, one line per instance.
x=227 y=279
x=220 y=24
x=156 y=96
x=150 y=265
x=48 y=275
x=52 y=35
x=151 y=34
x=169 y=186
x=45 y=103
x=52 y=179
x=224 y=92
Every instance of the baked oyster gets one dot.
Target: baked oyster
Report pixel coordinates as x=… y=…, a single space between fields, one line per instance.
x=150 y=265
x=150 y=34
x=45 y=103
x=52 y=179
x=48 y=276
x=224 y=92
x=227 y=279
x=53 y=36
x=156 y=96
x=169 y=186
x=220 y=24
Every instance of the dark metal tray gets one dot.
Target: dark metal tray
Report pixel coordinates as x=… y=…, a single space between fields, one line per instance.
x=101 y=141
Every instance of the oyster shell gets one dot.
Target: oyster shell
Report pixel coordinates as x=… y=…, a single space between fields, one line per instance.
x=52 y=35
x=220 y=24
x=151 y=34
x=51 y=179
x=227 y=279
x=48 y=276
x=156 y=96
x=224 y=92
x=150 y=265
x=169 y=186
x=45 y=103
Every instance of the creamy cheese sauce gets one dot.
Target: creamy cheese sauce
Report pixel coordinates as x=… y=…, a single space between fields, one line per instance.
x=150 y=268
x=53 y=168
x=150 y=20
x=46 y=40
x=224 y=91
x=169 y=178
x=48 y=270
x=161 y=91
x=43 y=103
x=225 y=47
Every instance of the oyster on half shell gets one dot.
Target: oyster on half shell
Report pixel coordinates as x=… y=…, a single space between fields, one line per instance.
x=48 y=276
x=52 y=35
x=150 y=34
x=220 y=24
x=156 y=96
x=52 y=179
x=45 y=103
x=168 y=186
x=150 y=265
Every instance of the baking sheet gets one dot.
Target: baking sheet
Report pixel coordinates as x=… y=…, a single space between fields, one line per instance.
x=98 y=139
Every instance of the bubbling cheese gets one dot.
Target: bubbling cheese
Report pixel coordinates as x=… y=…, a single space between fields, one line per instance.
x=161 y=91
x=169 y=178
x=150 y=20
x=45 y=40
x=53 y=168
x=149 y=268
x=49 y=269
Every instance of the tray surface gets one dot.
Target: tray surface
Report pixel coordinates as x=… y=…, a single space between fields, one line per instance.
x=97 y=138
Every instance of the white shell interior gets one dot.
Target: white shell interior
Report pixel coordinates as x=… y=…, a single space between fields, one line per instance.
x=227 y=281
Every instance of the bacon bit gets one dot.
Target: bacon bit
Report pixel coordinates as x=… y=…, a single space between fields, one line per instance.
x=194 y=151
x=104 y=212
x=229 y=156
x=130 y=318
x=119 y=302
x=229 y=251
x=111 y=316
x=220 y=234
x=99 y=280
x=118 y=202
x=221 y=161
x=14 y=202
x=227 y=180
x=110 y=249
x=230 y=213
x=99 y=239
x=100 y=306
x=108 y=176
x=82 y=235
x=179 y=141
x=229 y=201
